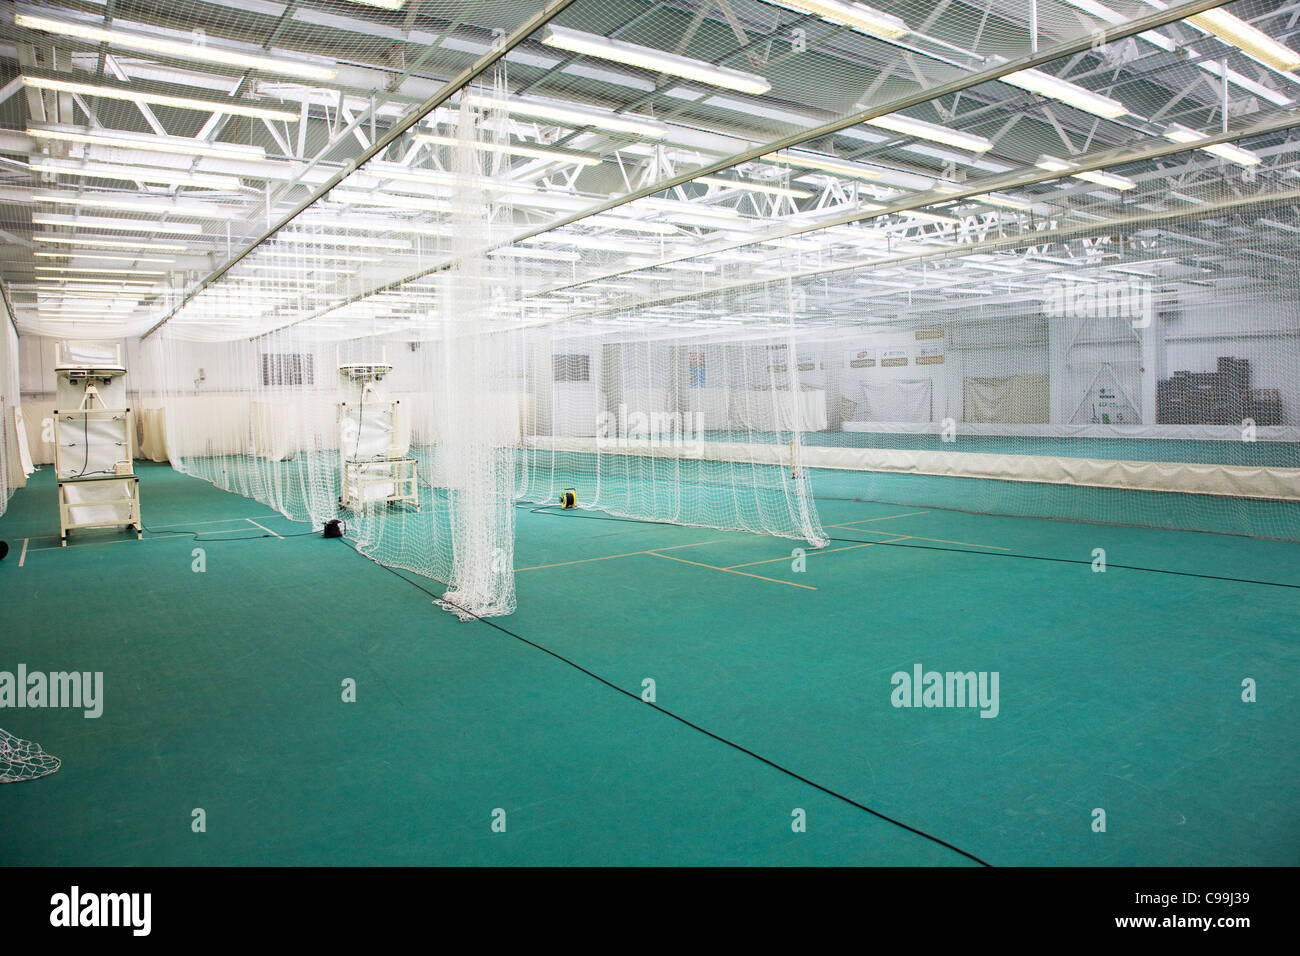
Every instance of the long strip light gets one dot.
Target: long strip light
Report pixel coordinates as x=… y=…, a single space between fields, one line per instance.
x=526 y=253
x=111 y=171
x=357 y=197
x=1235 y=154
x=174 y=48
x=575 y=116
x=518 y=149
x=173 y=145
x=827 y=164
x=438 y=177
x=305 y=258
x=126 y=225
x=908 y=126
x=631 y=225
x=334 y=239
x=859 y=16
x=658 y=61
x=190 y=210
x=116 y=272
x=99 y=257
x=1071 y=94
x=153 y=98
x=110 y=244
x=754 y=187
x=1251 y=41
x=1114 y=181
x=1007 y=202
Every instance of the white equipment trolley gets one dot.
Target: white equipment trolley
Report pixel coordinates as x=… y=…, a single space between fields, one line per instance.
x=94 y=440
x=374 y=468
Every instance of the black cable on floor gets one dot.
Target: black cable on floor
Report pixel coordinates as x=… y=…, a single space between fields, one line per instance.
x=668 y=713
x=1037 y=557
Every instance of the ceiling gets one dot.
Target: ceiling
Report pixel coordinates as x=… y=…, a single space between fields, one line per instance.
x=232 y=167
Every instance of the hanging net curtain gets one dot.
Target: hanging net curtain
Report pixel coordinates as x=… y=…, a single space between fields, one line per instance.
x=494 y=400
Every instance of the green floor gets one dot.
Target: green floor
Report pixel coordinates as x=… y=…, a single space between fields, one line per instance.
x=1119 y=691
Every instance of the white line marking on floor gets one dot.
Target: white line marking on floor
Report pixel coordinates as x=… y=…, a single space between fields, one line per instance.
x=185 y=524
x=264 y=528
x=23 y=557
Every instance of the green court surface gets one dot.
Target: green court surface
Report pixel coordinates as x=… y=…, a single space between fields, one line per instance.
x=1119 y=690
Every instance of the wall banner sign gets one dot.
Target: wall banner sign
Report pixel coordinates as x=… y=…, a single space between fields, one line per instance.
x=930 y=355
x=893 y=358
x=862 y=358
x=922 y=334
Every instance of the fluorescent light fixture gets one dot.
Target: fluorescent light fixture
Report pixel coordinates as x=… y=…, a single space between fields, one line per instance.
x=859 y=16
x=930 y=217
x=1235 y=154
x=297 y=268
x=332 y=239
x=552 y=254
x=438 y=177
x=1008 y=202
x=579 y=241
x=110 y=244
x=908 y=126
x=381 y=4
x=1053 y=165
x=174 y=48
x=141 y=204
x=1044 y=84
x=91 y=285
x=1251 y=41
x=1114 y=181
x=631 y=225
x=827 y=164
x=518 y=149
x=657 y=61
x=678 y=266
x=118 y=272
x=126 y=225
x=168 y=177
x=174 y=145
x=305 y=258
x=1110 y=180
x=687 y=208
x=575 y=116
x=356 y=197
x=98 y=257
x=153 y=98
x=754 y=187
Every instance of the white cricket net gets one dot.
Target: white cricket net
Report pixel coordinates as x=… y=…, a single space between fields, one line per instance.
x=687 y=414
x=11 y=468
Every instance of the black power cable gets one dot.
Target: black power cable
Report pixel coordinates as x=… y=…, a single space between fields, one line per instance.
x=1039 y=557
x=682 y=720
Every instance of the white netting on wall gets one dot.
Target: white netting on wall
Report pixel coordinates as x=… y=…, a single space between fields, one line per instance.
x=11 y=468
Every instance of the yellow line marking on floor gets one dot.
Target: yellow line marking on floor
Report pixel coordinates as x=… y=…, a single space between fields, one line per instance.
x=846 y=524
x=23 y=557
x=714 y=567
x=917 y=537
x=610 y=557
x=810 y=552
x=264 y=528
x=561 y=564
